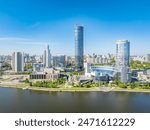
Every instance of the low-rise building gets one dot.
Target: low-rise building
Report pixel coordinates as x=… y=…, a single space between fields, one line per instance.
x=98 y=59
x=47 y=74
x=142 y=58
x=99 y=71
x=38 y=67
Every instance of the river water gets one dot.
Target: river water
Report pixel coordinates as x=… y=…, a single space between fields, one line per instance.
x=18 y=100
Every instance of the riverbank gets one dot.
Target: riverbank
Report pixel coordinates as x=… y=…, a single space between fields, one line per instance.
x=75 y=89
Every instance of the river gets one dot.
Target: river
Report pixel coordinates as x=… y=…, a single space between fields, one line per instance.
x=18 y=100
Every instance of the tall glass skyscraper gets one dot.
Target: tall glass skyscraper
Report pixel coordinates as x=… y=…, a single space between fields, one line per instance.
x=79 y=49
x=47 y=57
x=122 y=53
x=122 y=59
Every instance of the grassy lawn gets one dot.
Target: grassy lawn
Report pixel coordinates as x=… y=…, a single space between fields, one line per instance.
x=63 y=88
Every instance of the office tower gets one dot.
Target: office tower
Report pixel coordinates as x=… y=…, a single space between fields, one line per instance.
x=122 y=59
x=70 y=60
x=87 y=69
x=147 y=58
x=79 y=58
x=26 y=57
x=59 y=61
x=18 y=61
x=122 y=53
x=47 y=57
x=44 y=58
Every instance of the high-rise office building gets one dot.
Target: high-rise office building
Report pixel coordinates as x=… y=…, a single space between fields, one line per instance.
x=79 y=49
x=44 y=58
x=147 y=58
x=122 y=53
x=59 y=61
x=47 y=57
x=122 y=59
x=18 y=61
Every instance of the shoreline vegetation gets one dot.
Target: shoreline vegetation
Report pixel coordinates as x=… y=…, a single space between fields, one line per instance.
x=61 y=84
x=74 y=89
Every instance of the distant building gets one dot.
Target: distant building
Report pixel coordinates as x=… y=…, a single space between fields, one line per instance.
x=142 y=75
x=26 y=58
x=18 y=62
x=79 y=49
x=38 y=58
x=70 y=60
x=147 y=58
x=38 y=67
x=37 y=76
x=138 y=58
x=59 y=61
x=148 y=72
x=141 y=58
x=99 y=71
x=99 y=59
x=122 y=60
x=44 y=58
x=47 y=57
x=47 y=74
x=87 y=69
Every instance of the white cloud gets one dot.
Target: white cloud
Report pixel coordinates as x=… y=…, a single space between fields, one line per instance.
x=13 y=39
x=10 y=44
x=19 y=40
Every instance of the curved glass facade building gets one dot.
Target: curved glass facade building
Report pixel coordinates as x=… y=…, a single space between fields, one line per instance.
x=79 y=51
x=122 y=53
x=122 y=59
x=47 y=57
x=104 y=70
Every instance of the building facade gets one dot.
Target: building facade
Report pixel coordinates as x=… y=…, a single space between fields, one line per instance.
x=47 y=57
x=79 y=47
x=18 y=61
x=38 y=67
x=99 y=72
x=147 y=58
x=123 y=59
x=47 y=74
x=59 y=61
x=141 y=58
x=99 y=59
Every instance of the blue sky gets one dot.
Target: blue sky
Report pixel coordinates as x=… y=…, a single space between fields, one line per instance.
x=28 y=25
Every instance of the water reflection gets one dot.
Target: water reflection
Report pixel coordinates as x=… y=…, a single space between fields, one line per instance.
x=17 y=100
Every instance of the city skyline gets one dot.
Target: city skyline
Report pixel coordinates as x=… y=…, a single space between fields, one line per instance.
x=28 y=26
